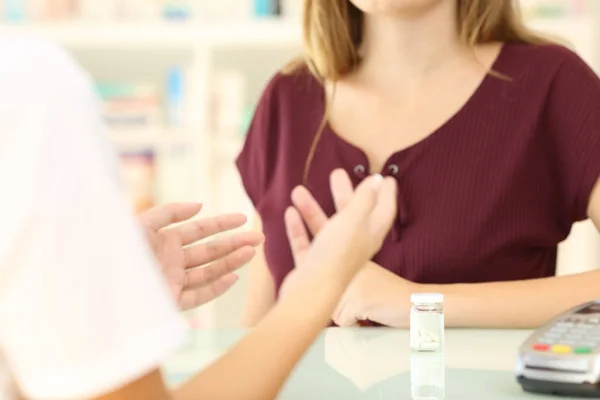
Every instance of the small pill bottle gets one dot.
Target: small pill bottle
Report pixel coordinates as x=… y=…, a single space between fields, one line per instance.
x=427 y=322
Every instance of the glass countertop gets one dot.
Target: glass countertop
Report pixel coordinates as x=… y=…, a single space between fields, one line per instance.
x=377 y=363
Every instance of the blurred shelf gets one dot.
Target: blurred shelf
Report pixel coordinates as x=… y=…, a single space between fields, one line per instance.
x=125 y=138
x=568 y=27
x=229 y=148
x=260 y=33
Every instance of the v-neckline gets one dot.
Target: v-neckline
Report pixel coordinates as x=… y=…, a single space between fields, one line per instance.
x=479 y=92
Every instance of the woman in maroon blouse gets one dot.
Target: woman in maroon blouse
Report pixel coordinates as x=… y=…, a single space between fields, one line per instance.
x=492 y=133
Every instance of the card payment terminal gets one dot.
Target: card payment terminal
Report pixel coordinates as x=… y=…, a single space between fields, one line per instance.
x=563 y=356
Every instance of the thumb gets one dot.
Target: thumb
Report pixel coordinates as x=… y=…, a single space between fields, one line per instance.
x=297 y=235
x=385 y=210
x=364 y=199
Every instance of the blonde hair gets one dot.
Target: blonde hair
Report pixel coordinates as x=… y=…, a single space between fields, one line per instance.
x=333 y=32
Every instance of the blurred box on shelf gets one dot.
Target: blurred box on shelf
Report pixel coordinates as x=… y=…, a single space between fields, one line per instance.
x=228 y=103
x=245 y=9
x=554 y=8
x=231 y=10
x=175 y=97
x=178 y=10
x=291 y=9
x=137 y=105
x=230 y=116
x=138 y=172
x=146 y=10
x=131 y=105
x=85 y=10
x=58 y=9
x=277 y=8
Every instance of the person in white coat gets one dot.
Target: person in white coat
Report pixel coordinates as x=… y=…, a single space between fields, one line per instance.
x=85 y=309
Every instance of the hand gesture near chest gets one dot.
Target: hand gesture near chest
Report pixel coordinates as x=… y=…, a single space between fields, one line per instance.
x=375 y=294
x=345 y=242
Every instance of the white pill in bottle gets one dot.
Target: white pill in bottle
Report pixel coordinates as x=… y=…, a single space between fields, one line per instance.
x=427 y=322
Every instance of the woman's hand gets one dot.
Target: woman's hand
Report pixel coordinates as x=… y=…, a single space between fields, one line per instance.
x=375 y=294
x=197 y=273
x=344 y=243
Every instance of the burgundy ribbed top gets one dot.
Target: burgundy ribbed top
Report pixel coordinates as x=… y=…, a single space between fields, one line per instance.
x=486 y=197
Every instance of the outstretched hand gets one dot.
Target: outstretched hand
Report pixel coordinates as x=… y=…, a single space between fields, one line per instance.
x=197 y=273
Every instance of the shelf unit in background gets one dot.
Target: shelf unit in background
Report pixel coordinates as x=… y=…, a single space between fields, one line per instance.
x=195 y=162
x=157 y=137
x=158 y=35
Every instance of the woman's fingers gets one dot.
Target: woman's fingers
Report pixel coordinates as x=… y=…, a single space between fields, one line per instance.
x=374 y=203
x=374 y=194
x=364 y=200
x=309 y=209
x=341 y=188
x=194 y=231
x=297 y=235
x=342 y=316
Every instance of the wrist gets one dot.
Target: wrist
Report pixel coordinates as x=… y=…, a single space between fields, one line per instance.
x=390 y=305
x=313 y=295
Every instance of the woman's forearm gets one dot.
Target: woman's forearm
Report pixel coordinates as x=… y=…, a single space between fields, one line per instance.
x=522 y=304
x=518 y=304
x=257 y=367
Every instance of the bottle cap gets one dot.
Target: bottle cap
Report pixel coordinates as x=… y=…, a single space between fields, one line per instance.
x=427 y=298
